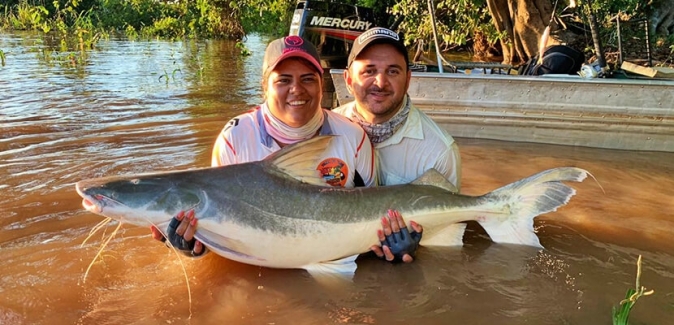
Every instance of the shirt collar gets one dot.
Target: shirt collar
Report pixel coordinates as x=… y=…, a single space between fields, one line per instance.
x=411 y=129
x=267 y=139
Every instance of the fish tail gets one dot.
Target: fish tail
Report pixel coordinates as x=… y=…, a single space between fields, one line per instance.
x=517 y=204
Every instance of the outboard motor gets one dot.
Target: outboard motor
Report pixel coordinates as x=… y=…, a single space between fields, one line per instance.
x=331 y=27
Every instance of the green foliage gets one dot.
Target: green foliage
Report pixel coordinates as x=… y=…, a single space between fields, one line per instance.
x=149 y=18
x=167 y=78
x=459 y=22
x=131 y=32
x=270 y=17
x=456 y=21
x=28 y=17
x=244 y=50
x=166 y=27
x=127 y=14
x=621 y=313
x=464 y=22
x=2 y=58
x=62 y=56
x=381 y=8
x=633 y=30
x=139 y=18
x=606 y=9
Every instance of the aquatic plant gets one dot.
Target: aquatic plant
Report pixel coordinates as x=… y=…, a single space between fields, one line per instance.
x=2 y=58
x=167 y=78
x=242 y=47
x=195 y=65
x=621 y=313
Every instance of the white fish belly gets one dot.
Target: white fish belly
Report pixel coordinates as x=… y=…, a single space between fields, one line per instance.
x=314 y=242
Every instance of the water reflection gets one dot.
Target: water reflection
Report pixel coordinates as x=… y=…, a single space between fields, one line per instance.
x=151 y=106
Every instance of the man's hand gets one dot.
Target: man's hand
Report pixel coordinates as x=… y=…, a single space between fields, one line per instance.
x=180 y=233
x=397 y=243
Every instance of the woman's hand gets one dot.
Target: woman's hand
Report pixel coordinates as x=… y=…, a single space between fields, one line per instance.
x=397 y=243
x=180 y=233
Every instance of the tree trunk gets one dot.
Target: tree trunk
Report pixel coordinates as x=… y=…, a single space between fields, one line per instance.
x=662 y=17
x=523 y=21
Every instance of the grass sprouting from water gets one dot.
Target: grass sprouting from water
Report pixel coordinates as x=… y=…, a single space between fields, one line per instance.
x=167 y=78
x=621 y=313
x=2 y=58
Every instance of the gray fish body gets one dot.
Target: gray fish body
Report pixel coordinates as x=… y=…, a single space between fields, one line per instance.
x=263 y=213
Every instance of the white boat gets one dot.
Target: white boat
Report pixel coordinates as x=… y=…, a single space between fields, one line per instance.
x=629 y=114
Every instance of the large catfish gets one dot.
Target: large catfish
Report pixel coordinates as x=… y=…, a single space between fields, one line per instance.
x=280 y=213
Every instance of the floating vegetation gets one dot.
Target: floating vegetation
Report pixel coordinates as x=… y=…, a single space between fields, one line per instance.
x=61 y=54
x=242 y=47
x=621 y=313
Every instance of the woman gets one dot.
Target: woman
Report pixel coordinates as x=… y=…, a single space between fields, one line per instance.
x=292 y=79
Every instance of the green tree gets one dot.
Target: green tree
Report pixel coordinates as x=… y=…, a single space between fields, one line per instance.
x=265 y=16
x=514 y=27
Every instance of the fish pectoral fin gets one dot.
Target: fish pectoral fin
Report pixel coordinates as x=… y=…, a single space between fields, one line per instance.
x=343 y=269
x=452 y=235
x=223 y=246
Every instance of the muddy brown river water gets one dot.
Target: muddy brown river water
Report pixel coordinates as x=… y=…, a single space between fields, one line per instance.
x=135 y=106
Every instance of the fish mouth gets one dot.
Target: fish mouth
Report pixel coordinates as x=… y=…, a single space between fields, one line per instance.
x=89 y=203
x=91 y=206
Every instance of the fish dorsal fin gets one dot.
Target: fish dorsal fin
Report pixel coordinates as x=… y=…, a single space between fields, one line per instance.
x=433 y=177
x=300 y=160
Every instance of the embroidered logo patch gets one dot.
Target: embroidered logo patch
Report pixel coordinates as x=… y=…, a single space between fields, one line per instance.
x=294 y=40
x=334 y=171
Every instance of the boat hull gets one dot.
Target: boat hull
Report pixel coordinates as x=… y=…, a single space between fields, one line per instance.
x=567 y=110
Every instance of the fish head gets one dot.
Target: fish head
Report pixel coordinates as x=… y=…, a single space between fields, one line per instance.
x=141 y=200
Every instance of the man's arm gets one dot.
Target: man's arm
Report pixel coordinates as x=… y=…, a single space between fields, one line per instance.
x=449 y=165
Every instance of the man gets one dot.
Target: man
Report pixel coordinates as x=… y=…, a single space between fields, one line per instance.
x=407 y=142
